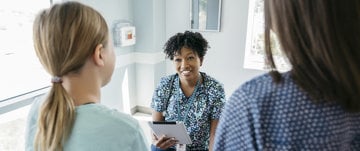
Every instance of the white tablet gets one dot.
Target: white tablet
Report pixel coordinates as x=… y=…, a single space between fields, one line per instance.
x=171 y=129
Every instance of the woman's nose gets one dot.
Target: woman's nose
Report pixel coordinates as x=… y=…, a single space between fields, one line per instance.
x=184 y=63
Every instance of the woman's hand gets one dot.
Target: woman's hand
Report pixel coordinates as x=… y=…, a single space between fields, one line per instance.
x=163 y=142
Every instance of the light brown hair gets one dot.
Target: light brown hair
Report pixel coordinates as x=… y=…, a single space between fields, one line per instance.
x=65 y=36
x=321 y=41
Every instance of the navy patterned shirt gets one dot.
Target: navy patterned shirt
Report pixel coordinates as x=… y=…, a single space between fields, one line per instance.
x=261 y=115
x=207 y=105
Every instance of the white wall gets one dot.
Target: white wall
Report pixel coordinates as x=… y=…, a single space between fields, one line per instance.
x=225 y=58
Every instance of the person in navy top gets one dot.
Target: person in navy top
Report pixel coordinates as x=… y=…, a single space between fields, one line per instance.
x=315 y=105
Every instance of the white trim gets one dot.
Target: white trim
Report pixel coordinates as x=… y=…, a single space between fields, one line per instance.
x=141 y=109
x=139 y=57
x=21 y=100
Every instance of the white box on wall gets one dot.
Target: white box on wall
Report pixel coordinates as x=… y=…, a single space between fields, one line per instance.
x=128 y=36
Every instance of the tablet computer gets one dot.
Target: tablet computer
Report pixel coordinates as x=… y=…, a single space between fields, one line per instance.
x=171 y=129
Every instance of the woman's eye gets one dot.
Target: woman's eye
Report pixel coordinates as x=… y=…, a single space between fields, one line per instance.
x=177 y=60
x=191 y=58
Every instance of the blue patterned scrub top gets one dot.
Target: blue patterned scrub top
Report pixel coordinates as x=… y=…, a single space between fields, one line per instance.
x=207 y=106
x=261 y=115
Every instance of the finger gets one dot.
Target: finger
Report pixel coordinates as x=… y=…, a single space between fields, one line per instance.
x=160 y=141
x=164 y=142
x=167 y=143
x=154 y=137
x=171 y=142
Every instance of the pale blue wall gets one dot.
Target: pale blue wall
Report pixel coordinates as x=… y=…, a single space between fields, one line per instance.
x=114 y=10
x=113 y=94
x=149 y=19
x=148 y=16
x=143 y=20
x=155 y=22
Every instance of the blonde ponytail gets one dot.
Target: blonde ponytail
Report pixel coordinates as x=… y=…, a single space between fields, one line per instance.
x=56 y=119
x=65 y=35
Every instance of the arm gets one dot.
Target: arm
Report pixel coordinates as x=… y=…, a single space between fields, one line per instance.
x=216 y=110
x=157 y=116
x=159 y=104
x=217 y=99
x=213 y=126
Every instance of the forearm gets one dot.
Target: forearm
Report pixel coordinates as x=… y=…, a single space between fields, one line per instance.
x=157 y=116
x=213 y=126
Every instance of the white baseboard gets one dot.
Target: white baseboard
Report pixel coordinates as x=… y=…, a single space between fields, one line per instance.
x=141 y=109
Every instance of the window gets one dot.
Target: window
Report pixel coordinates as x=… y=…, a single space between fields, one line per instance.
x=21 y=70
x=22 y=76
x=255 y=50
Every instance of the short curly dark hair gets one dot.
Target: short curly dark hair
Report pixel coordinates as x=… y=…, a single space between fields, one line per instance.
x=192 y=40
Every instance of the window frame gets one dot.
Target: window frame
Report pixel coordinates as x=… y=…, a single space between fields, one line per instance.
x=254 y=58
x=22 y=98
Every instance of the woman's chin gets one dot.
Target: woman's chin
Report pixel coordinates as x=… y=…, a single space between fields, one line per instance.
x=187 y=77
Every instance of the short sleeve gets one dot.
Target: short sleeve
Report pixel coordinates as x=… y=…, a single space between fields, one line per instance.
x=31 y=124
x=238 y=126
x=161 y=93
x=218 y=100
x=234 y=131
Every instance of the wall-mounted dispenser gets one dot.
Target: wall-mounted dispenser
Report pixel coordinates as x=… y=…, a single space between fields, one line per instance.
x=124 y=34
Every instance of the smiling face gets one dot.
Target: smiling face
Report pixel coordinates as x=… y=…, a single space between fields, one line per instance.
x=187 y=64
